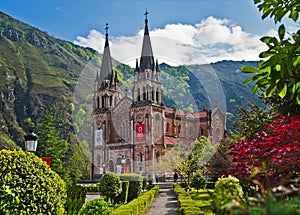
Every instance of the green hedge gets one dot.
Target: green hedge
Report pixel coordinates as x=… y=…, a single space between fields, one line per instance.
x=139 y=205
x=135 y=184
x=76 y=195
x=29 y=186
x=122 y=197
x=186 y=205
x=96 y=206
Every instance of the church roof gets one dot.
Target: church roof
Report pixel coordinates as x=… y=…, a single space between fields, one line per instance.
x=175 y=140
x=195 y=115
x=147 y=59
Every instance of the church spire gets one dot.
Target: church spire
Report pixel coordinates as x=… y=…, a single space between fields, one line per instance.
x=106 y=66
x=147 y=60
x=106 y=35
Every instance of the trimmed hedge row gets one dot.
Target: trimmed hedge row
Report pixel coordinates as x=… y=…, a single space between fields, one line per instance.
x=139 y=205
x=186 y=205
x=135 y=184
x=123 y=196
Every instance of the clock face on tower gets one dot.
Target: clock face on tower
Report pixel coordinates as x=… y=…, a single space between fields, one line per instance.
x=139 y=117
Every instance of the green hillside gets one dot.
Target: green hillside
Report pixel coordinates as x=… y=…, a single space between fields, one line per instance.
x=36 y=70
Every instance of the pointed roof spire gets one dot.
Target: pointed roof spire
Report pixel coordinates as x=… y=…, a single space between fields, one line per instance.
x=106 y=66
x=106 y=35
x=147 y=60
x=146 y=32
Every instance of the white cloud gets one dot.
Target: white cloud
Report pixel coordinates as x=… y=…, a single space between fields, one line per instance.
x=210 y=40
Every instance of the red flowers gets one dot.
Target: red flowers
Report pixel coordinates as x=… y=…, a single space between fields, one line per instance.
x=273 y=156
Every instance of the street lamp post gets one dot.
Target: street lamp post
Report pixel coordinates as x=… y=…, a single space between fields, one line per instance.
x=31 y=141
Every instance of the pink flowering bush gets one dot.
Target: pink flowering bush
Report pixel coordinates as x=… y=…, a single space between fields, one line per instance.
x=273 y=156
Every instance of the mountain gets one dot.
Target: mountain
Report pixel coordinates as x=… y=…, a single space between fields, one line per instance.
x=38 y=70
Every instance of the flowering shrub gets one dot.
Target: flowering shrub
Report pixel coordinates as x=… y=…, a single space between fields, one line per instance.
x=272 y=157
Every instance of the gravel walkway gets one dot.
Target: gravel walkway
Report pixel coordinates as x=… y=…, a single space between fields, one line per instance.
x=165 y=203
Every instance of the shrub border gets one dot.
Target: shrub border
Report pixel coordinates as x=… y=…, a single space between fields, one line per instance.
x=139 y=205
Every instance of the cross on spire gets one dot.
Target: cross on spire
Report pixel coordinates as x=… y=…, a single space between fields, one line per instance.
x=146 y=14
x=106 y=28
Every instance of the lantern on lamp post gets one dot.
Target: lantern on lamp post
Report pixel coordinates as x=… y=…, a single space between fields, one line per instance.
x=31 y=141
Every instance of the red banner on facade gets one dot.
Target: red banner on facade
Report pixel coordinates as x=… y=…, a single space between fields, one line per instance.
x=140 y=133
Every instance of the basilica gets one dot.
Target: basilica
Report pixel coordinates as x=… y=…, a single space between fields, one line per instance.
x=132 y=129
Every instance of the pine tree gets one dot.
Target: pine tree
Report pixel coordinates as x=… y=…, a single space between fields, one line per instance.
x=51 y=145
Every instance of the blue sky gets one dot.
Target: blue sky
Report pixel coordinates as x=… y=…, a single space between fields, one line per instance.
x=210 y=29
x=67 y=19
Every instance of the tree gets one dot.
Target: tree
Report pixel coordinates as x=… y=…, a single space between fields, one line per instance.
x=272 y=157
x=251 y=121
x=51 y=145
x=198 y=155
x=78 y=164
x=220 y=161
x=198 y=182
x=186 y=159
x=110 y=186
x=278 y=73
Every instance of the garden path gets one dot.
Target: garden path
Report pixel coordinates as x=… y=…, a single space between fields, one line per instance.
x=165 y=203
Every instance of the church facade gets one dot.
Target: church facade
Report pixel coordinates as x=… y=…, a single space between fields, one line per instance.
x=132 y=132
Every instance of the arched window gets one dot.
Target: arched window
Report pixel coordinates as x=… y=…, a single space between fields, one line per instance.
x=111 y=166
x=201 y=132
x=157 y=93
x=168 y=127
x=139 y=95
x=103 y=101
x=152 y=93
x=141 y=157
x=98 y=102
x=179 y=129
x=104 y=130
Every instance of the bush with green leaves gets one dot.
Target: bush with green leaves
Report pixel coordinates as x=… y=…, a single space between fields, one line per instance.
x=96 y=206
x=29 y=186
x=198 y=182
x=110 y=186
x=135 y=184
x=76 y=195
x=227 y=190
